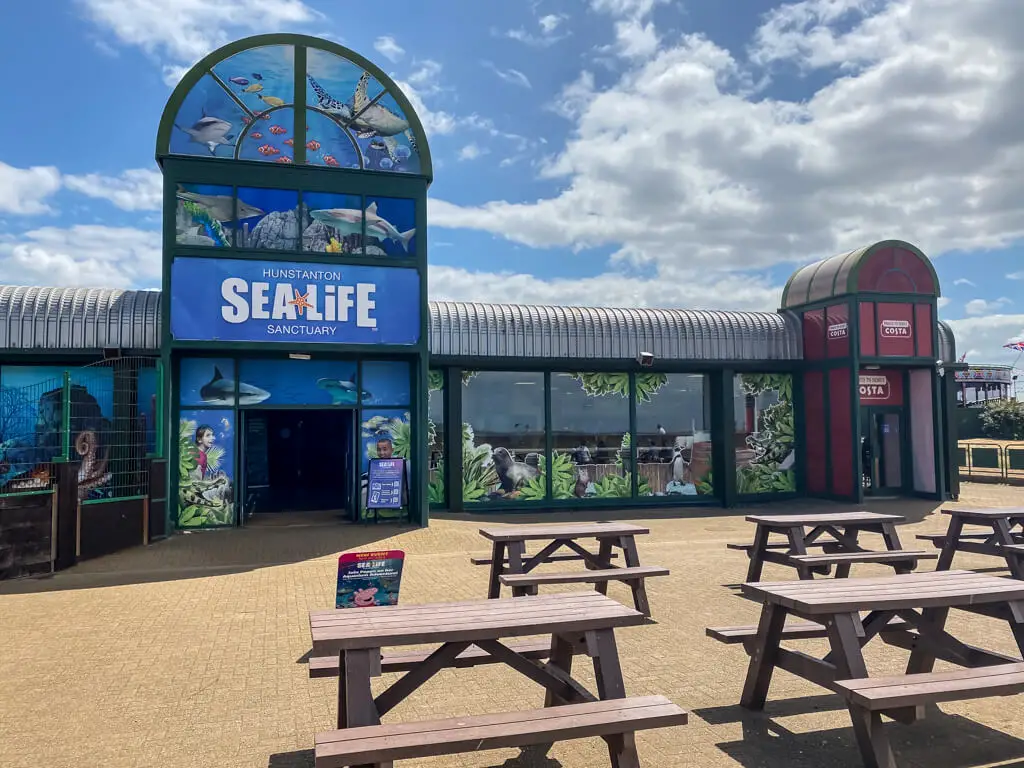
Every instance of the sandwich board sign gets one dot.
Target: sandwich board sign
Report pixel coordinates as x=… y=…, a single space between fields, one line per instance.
x=386 y=485
x=367 y=579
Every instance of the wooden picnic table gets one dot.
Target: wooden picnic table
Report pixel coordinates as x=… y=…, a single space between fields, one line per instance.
x=571 y=620
x=1005 y=529
x=510 y=563
x=906 y=610
x=835 y=533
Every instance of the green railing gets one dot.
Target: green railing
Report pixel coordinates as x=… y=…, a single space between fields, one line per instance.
x=994 y=462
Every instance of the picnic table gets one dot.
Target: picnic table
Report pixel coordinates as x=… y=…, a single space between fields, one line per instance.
x=906 y=610
x=1005 y=529
x=575 y=622
x=511 y=566
x=835 y=533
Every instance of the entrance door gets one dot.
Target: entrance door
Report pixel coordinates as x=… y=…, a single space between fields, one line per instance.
x=299 y=460
x=882 y=451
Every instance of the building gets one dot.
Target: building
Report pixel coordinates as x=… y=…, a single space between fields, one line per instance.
x=980 y=383
x=293 y=343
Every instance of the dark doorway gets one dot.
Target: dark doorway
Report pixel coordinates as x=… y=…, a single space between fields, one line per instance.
x=299 y=460
x=883 y=451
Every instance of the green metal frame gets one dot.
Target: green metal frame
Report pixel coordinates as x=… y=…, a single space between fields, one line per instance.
x=234 y=173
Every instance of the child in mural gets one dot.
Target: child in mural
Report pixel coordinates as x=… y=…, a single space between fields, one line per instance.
x=204 y=441
x=385 y=448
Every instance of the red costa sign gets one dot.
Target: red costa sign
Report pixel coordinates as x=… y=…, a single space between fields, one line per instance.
x=839 y=330
x=874 y=389
x=895 y=329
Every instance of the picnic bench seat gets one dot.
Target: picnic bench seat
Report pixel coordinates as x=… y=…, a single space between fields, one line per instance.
x=907 y=557
x=524 y=584
x=805 y=630
x=487 y=559
x=900 y=691
x=384 y=743
x=405 y=660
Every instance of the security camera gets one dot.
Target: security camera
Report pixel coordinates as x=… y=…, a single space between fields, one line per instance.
x=646 y=359
x=940 y=363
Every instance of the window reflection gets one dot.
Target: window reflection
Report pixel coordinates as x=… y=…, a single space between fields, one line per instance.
x=673 y=423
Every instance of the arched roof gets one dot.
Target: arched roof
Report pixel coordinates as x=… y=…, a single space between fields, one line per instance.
x=87 y=319
x=889 y=266
x=286 y=98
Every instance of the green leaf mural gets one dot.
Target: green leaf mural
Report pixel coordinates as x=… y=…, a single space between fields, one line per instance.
x=435 y=381
x=478 y=473
x=399 y=429
x=201 y=502
x=774 y=441
x=601 y=384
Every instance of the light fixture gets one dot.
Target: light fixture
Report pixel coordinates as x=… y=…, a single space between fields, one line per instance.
x=872 y=367
x=299 y=356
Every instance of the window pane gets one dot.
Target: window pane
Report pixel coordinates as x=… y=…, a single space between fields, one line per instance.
x=590 y=427
x=764 y=434
x=435 y=438
x=673 y=423
x=502 y=436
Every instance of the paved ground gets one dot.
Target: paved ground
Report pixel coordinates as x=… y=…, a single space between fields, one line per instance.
x=190 y=653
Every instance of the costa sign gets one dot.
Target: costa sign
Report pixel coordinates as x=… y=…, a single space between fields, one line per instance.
x=873 y=388
x=896 y=329
x=839 y=330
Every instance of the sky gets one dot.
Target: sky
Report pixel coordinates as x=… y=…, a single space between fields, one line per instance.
x=668 y=153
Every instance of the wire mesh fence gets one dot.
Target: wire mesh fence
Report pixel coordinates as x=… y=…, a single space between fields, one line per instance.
x=104 y=416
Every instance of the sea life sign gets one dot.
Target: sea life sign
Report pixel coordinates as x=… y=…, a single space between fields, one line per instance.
x=367 y=579
x=386 y=483
x=243 y=300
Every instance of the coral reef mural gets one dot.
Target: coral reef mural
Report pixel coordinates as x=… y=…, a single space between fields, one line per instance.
x=267 y=219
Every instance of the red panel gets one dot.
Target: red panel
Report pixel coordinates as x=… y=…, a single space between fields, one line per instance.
x=840 y=432
x=814 y=432
x=837 y=330
x=923 y=328
x=883 y=387
x=814 y=334
x=873 y=268
x=912 y=265
x=867 y=330
x=895 y=330
x=895 y=270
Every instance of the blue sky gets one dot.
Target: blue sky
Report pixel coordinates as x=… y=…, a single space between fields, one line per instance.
x=615 y=152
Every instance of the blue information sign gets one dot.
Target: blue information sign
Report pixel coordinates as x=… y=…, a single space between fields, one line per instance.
x=385 y=484
x=216 y=299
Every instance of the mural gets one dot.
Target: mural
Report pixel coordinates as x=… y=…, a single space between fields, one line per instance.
x=268 y=137
x=435 y=444
x=384 y=434
x=329 y=144
x=146 y=400
x=211 y=382
x=765 y=448
x=363 y=114
x=208 y=122
x=205 y=215
x=332 y=223
x=267 y=218
x=32 y=430
x=503 y=447
x=390 y=226
x=302 y=382
x=206 y=468
x=387 y=382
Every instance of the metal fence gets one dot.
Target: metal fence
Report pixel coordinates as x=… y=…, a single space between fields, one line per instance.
x=994 y=462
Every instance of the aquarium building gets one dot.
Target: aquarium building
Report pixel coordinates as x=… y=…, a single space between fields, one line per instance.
x=293 y=341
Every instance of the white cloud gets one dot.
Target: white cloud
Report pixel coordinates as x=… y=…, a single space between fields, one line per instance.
x=513 y=76
x=547 y=35
x=471 y=152
x=982 y=338
x=550 y=22
x=83 y=255
x=26 y=190
x=682 y=163
x=963 y=281
x=388 y=47
x=942 y=302
x=186 y=30
x=976 y=307
x=137 y=189
x=1015 y=276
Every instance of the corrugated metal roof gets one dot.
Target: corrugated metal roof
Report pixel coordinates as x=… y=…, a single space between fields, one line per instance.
x=947 y=343
x=462 y=329
x=78 y=318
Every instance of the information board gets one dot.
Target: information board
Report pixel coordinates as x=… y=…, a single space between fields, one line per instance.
x=385 y=484
x=367 y=579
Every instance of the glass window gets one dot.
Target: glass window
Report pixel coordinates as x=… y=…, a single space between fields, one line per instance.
x=435 y=438
x=385 y=434
x=590 y=428
x=673 y=441
x=502 y=436
x=386 y=382
x=267 y=219
x=204 y=215
x=390 y=226
x=207 y=381
x=297 y=382
x=765 y=446
x=206 y=458
x=332 y=223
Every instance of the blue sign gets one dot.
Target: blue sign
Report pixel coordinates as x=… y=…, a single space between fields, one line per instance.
x=243 y=300
x=385 y=484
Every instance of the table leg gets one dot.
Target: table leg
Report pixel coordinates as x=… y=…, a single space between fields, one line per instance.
x=797 y=547
x=604 y=556
x=849 y=660
x=1002 y=528
x=355 y=696
x=757 y=553
x=561 y=657
x=610 y=685
x=516 y=554
x=850 y=535
x=892 y=543
x=763 y=657
x=956 y=527
x=497 y=565
x=632 y=557
x=932 y=620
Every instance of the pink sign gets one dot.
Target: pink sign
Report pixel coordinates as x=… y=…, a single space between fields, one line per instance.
x=839 y=331
x=896 y=329
x=880 y=388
